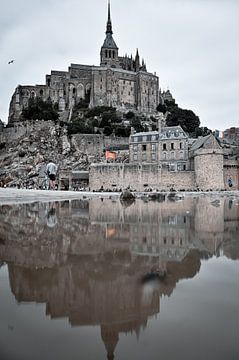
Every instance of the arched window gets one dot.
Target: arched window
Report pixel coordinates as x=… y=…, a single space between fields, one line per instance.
x=41 y=92
x=80 y=91
x=110 y=54
x=106 y=53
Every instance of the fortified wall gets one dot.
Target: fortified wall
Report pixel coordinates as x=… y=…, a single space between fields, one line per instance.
x=139 y=177
x=208 y=174
x=89 y=144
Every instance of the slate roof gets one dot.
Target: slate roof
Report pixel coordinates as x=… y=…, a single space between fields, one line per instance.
x=167 y=133
x=200 y=142
x=109 y=42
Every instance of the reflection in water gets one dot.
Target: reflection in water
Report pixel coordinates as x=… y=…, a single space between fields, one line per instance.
x=86 y=259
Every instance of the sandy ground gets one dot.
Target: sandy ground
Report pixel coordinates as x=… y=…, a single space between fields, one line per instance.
x=13 y=196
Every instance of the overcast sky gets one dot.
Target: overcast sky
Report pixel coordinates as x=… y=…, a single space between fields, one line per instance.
x=192 y=45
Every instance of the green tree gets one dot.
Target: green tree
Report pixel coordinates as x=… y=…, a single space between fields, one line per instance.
x=39 y=109
x=185 y=118
x=162 y=108
x=108 y=130
x=136 y=124
x=129 y=115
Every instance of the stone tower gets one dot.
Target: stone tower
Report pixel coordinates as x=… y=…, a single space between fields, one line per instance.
x=208 y=163
x=109 y=50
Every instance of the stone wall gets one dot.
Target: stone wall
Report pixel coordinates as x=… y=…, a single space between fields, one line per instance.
x=231 y=170
x=24 y=128
x=208 y=165
x=92 y=144
x=146 y=176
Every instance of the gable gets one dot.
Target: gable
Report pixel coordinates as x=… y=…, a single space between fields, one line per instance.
x=211 y=143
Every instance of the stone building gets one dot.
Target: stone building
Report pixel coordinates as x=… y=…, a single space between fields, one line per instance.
x=163 y=160
x=169 y=147
x=121 y=82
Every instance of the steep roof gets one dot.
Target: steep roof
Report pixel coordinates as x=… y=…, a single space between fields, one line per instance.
x=109 y=42
x=172 y=132
x=199 y=143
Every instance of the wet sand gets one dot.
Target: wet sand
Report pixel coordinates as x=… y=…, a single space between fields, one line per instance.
x=12 y=196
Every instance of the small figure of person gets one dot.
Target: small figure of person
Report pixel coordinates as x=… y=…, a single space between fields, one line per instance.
x=230 y=183
x=51 y=170
x=51 y=220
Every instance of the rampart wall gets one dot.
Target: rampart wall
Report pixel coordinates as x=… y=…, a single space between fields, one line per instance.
x=24 y=128
x=139 y=177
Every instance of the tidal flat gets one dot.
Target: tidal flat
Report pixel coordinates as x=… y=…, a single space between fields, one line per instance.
x=97 y=278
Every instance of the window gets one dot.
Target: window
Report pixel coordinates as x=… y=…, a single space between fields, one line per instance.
x=153 y=157
x=172 y=146
x=135 y=157
x=110 y=54
x=106 y=53
x=113 y=54
x=144 y=156
x=181 y=145
x=153 y=137
x=144 y=147
x=164 y=146
x=135 y=147
x=153 y=147
x=172 y=155
x=181 y=155
x=144 y=138
x=164 y=156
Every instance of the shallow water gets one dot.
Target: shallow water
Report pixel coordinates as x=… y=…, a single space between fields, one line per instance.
x=99 y=279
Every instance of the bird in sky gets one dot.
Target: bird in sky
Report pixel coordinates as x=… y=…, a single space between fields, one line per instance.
x=10 y=62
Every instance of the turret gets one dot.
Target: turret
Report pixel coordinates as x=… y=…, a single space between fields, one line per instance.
x=137 y=61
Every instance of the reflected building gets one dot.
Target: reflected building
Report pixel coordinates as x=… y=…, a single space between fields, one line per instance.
x=88 y=265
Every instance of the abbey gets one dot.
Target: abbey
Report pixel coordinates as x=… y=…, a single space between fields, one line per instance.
x=121 y=82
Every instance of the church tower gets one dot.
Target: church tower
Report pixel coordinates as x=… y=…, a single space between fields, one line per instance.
x=109 y=50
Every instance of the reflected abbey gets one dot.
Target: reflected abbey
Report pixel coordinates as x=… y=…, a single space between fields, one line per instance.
x=85 y=259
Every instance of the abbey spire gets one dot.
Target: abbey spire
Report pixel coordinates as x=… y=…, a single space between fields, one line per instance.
x=109 y=50
x=109 y=23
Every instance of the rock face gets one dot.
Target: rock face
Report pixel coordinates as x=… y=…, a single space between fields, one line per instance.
x=25 y=151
